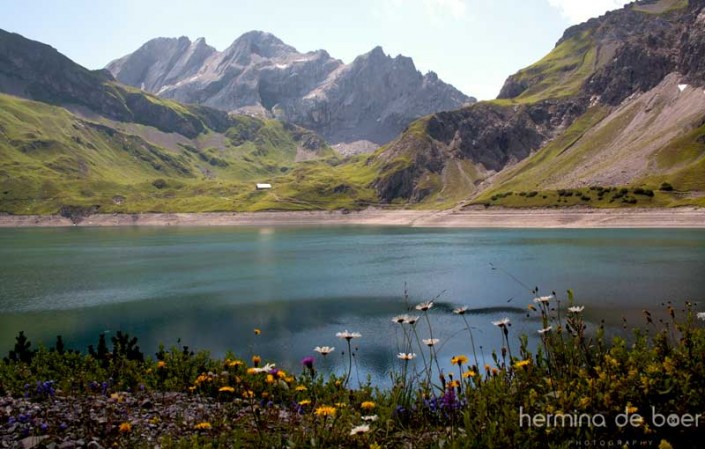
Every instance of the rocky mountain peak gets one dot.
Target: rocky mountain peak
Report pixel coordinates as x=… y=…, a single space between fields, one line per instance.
x=260 y=43
x=371 y=99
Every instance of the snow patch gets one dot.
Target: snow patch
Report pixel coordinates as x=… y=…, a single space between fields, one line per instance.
x=281 y=66
x=682 y=87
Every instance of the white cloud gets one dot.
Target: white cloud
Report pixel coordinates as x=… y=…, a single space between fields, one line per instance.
x=578 y=11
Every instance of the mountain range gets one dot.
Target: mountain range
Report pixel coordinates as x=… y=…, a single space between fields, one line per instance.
x=360 y=105
x=612 y=116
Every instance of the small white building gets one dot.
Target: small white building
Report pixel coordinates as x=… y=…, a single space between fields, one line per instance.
x=263 y=186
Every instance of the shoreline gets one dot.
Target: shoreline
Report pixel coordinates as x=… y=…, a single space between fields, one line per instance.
x=468 y=218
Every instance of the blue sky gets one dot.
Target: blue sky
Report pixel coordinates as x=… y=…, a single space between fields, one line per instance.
x=472 y=44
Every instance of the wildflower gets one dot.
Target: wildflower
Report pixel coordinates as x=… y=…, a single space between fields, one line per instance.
x=406 y=356
x=454 y=384
x=410 y=319
x=468 y=374
x=203 y=426
x=341 y=404
x=125 y=427
x=249 y=394
x=522 y=363
x=576 y=309
x=430 y=341
x=664 y=444
x=370 y=418
x=300 y=388
x=256 y=360
x=531 y=307
x=545 y=330
x=504 y=322
x=368 y=405
x=701 y=315
x=161 y=364
x=226 y=390
x=324 y=350
x=265 y=369
x=543 y=299
x=257 y=331
x=460 y=310
x=305 y=402
x=424 y=306
x=360 y=429
x=270 y=379
x=307 y=362
x=459 y=360
x=325 y=410
x=399 y=319
x=348 y=335
x=235 y=363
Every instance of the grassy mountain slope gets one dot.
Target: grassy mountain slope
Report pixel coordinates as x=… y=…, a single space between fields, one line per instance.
x=602 y=109
x=51 y=158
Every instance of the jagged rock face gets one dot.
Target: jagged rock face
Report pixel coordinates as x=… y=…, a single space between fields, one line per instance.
x=489 y=135
x=373 y=98
x=635 y=51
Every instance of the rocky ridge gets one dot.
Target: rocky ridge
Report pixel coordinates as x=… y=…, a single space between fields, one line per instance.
x=371 y=99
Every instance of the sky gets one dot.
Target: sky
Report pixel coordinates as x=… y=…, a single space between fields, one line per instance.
x=472 y=44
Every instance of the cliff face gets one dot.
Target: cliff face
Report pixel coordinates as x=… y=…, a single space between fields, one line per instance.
x=371 y=99
x=631 y=56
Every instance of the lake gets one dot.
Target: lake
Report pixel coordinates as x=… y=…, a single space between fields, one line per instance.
x=208 y=288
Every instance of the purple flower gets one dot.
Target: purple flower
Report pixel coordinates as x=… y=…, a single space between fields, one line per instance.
x=63 y=426
x=307 y=362
x=44 y=427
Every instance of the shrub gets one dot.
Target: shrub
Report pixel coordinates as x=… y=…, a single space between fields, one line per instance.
x=159 y=183
x=666 y=187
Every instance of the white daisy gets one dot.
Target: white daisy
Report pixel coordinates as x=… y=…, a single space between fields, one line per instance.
x=348 y=335
x=406 y=356
x=324 y=350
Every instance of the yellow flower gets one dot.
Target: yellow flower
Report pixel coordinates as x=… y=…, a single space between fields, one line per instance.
x=468 y=374
x=235 y=363
x=664 y=445
x=341 y=404
x=631 y=409
x=265 y=395
x=256 y=360
x=375 y=446
x=522 y=363
x=300 y=388
x=249 y=394
x=305 y=402
x=495 y=371
x=289 y=379
x=281 y=374
x=453 y=384
x=161 y=364
x=257 y=331
x=125 y=427
x=459 y=360
x=227 y=390
x=252 y=371
x=367 y=405
x=325 y=410
x=203 y=426
x=270 y=379
x=584 y=402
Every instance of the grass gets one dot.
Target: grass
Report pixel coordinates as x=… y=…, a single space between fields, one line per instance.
x=573 y=374
x=50 y=158
x=561 y=73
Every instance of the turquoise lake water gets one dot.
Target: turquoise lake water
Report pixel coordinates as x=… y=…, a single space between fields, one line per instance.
x=210 y=287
